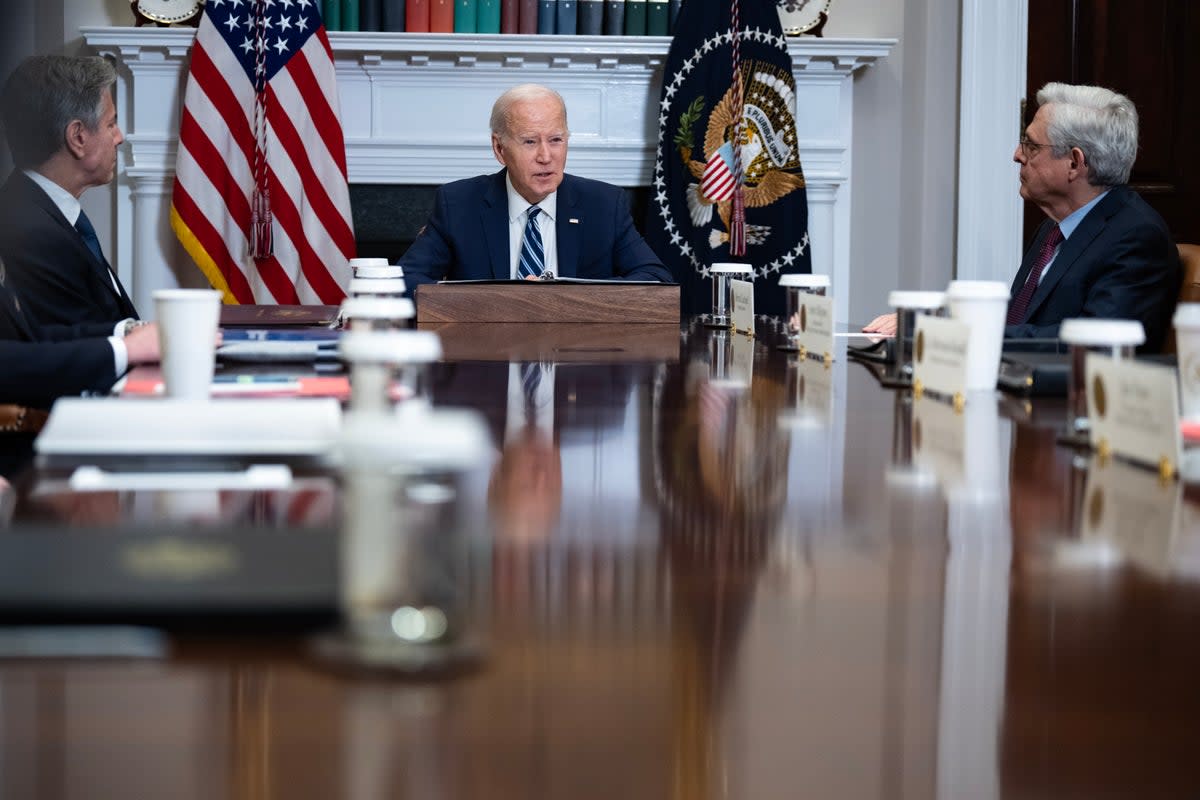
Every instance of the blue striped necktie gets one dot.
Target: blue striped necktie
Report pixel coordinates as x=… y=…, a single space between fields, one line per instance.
x=533 y=256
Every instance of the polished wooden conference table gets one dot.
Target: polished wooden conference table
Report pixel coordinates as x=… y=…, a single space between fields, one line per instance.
x=755 y=578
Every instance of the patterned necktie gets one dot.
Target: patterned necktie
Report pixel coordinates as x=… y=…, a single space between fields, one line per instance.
x=1020 y=303
x=84 y=226
x=533 y=257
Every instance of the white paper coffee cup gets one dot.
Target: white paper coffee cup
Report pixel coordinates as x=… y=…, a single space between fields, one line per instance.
x=983 y=306
x=1187 y=346
x=187 y=333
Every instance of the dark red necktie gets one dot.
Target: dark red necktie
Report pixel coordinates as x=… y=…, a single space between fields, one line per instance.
x=1020 y=303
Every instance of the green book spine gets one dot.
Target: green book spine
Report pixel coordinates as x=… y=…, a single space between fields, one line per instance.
x=331 y=12
x=489 y=16
x=349 y=15
x=635 y=17
x=658 y=13
x=466 y=16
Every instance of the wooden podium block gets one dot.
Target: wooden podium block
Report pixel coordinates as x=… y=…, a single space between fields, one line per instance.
x=538 y=301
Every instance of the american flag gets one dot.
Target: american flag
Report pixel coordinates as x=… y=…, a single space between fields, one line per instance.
x=718 y=181
x=261 y=200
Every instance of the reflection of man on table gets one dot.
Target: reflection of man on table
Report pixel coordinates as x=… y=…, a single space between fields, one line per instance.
x=525 y=493
x=530 y=219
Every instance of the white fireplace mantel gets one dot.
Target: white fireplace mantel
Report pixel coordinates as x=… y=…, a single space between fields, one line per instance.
x=415 y=111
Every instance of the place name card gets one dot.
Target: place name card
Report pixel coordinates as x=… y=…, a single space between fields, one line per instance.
x=814 y=328
x=741 y=305
x=1133 y=509
x=1133 y=411
x=940 y=358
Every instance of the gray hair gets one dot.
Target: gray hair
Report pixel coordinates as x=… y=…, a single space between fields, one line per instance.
x=526 y=92
x=1100 y=122
x=44 y=95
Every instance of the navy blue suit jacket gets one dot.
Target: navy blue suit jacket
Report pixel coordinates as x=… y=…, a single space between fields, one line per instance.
x=41 y=363
x=1120 y=263
x=467 y=234
x=61 y=281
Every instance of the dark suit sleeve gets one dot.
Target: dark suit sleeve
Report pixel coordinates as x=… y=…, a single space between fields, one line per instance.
x=1137 y=279
x=632 y=258
x=83 y=330
x=430 y=257
x=36 y=373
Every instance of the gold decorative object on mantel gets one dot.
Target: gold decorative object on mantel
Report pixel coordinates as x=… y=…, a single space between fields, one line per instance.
x=803 y=17
x=167 y=12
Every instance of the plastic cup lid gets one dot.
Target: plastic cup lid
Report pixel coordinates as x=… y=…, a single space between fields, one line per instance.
x=390 y=347
x=378 y=271
x=192 y=295
x=731 y=269
x=1187 y=315
x=977 y=290
x=376 y=286
x=378 y=308
x=435 y=439
x=804 y=281
x=1102 y=332
x=368 y=262
x=910 y=299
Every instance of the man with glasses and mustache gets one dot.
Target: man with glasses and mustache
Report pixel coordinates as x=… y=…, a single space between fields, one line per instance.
x=1102 y=252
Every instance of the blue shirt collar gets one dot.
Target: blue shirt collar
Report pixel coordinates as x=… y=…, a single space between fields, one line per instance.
x=1068 y=225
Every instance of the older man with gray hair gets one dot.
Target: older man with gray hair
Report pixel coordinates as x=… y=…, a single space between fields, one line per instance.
x=1103 y=251
x=61 y=125
x=530 y=220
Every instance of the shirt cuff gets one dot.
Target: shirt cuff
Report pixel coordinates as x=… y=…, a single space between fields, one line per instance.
x=120 y=355
x=120 y=328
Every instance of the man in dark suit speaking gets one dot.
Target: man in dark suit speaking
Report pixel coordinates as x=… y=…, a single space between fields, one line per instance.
x=530 y=220
x=61 y=125
x=1103 y=252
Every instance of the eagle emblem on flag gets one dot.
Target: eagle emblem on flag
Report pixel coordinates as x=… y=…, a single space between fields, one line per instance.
x=728 y=183
x=769 y=155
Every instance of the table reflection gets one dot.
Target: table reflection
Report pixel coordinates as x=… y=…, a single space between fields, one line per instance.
x=725 y=573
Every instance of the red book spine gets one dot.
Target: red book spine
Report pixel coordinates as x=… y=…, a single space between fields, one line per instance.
x=441 y=16
x=416 y=16
x=528 y=15
x=510 y=16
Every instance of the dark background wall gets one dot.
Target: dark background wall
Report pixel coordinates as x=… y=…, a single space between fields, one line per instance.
x=1146 y=51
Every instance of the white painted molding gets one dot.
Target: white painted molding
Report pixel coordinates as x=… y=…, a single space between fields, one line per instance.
x=414 y=110
x=992 y=85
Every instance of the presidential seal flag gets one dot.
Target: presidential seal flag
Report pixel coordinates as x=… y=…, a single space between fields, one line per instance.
x=261 y=201
x=728 y=186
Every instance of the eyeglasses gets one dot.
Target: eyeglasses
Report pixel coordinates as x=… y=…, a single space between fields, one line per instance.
x=1030 y=148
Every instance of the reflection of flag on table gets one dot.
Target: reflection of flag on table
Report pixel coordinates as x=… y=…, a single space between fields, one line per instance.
x=724 y=144
x=261 y=201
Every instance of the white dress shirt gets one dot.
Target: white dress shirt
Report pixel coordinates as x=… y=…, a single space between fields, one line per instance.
x=518 y=216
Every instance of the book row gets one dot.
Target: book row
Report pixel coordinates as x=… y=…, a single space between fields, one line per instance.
x=583 y=17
